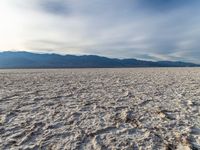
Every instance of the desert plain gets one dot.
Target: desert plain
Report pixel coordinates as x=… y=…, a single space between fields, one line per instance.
x=100 y=109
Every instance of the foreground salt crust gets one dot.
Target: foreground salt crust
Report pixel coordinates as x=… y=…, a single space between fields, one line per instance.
x=100 y=109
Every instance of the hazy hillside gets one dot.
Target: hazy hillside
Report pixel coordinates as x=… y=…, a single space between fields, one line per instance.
x=33 y=60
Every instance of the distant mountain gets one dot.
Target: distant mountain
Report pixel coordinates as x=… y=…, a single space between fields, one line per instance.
x=33 y=60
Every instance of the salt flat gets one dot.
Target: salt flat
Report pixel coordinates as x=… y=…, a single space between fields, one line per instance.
x=154 y=108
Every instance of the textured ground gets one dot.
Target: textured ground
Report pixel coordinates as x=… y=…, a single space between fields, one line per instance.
x=100 y=109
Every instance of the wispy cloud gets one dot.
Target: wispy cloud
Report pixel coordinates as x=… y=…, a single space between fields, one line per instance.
x=145 y=29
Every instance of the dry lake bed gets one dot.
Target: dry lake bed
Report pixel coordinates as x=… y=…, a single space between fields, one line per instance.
x=100 y=109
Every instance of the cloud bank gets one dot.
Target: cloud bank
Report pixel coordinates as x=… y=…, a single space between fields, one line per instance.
x=144 y=29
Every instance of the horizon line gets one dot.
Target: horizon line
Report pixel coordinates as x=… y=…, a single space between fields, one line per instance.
x=79 y=55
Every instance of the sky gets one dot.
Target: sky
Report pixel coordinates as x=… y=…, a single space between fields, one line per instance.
x=143 y=29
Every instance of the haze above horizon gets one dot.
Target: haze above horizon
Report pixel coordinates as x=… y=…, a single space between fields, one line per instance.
x=142 y=29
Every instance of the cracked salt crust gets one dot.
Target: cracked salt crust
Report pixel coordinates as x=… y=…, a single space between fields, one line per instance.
x=100 y=109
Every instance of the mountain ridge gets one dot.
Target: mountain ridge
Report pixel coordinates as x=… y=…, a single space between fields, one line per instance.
x=23 y=59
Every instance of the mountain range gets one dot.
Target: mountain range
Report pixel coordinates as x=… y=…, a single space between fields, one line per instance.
x=21 y=59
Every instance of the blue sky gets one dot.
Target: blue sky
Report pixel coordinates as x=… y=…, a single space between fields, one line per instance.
x=143 y=29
